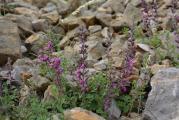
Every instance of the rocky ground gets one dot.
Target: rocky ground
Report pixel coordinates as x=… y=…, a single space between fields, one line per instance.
x=26 y=26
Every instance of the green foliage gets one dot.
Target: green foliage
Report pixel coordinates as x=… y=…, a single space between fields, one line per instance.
x=92 y=100
x=153 y=41
x=37 y=110
x=125 y=30
x=8 y=100
x=55 y=38
x=126 y=102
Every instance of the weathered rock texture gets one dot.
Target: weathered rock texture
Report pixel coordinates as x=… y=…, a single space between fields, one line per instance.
x=9 y=41
x=163 y=100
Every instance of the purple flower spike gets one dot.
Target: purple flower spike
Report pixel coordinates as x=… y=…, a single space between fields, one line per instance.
x=81 y=69
x=45 y=56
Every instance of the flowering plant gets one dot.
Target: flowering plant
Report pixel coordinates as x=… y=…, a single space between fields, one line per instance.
x=82 y=65
x=53 y=62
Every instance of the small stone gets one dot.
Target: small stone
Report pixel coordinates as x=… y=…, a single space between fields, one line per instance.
x=101 y=65
x=37 y=83
x=24 y=95
x=114 y=111
x=156 y=67
x=145 y=48
x=94 y=29
x=81 y=114
x=51 y=93
x=52 y=17
x=27 y=12
x=23 y=49
x=37 y=41
x=40 y=25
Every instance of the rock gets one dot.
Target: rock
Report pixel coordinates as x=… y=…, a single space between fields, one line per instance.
x=37 y=83
x=156 y=67
x=37 y=41
x=51 y=93
x=80 y=114
x=23 y=49
x=71 y=81
x=107 y=10
x=56 y=117
x=94 y=28
x=38 y=3
x=23 y=4
x=138 y=60
x=62 y=7
x=24 y=95
x=95 y=50
x=114 y=111
x=117 y=6
x=89 y=19
x=132 y=116
x=71 y=54
x=132 y=14
x=24 y=24
x=101 y=65
x=71 y=23
x=52 y=17
x=40 y=25
x=117 y=53
x=23 y=68
x=24 y=62
x=9 y=41
x=69 y=36
x=163 y=99
x=104 y=19
x=105 y=33
x=145 y=48
x=74 y=4
x=50 y=7
x=58 y=31
x=119 y=22
x=27 y=12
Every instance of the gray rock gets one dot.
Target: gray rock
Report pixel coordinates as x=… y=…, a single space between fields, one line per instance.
x=9 y=41
x=116 y=5
x=24 y=65
x=101 y=65
x=23 y=4
x=114 y=111
x=132 y=14
x=37 y=83
x=38 y=3
x=163 y=99
x=23 y=49
x=69 y=36
x=94 y=28
x=40 y=25
x=95 y=50
x=33 y=14
x=37 y=41
x=52 y=17
x=49 y=8
x=24 y=24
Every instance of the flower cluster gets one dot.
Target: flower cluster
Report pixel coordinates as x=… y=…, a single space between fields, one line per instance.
x=81 y=72
x=119 y=79
x=53 y=62
x=149 y=14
